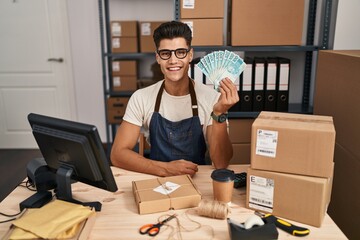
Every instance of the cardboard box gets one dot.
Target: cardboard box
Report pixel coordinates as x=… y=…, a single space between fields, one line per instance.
x=124 y=83
x=271 y=22
x=293 y=143
x=150 y=201
x=337 y=94
x=146 y=36
x=345 y=192
x=123 y=29
x=206 y=32
x=202 y=9
x=116 y=107
x=124 y=68
x=240 y=130
x=124 y=44
x=300 y=198
x=241 y=153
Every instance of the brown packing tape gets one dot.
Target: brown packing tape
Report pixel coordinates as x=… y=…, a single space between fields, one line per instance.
x=282 y=118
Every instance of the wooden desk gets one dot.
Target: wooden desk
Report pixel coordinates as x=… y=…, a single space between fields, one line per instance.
x=119 y=218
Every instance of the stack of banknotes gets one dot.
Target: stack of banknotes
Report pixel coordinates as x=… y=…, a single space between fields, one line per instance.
x=221 y=64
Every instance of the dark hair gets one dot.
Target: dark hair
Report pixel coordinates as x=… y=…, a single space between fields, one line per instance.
x=171 y=30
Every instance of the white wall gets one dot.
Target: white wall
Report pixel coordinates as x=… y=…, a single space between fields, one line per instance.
x=87 y=66
x=347 y=28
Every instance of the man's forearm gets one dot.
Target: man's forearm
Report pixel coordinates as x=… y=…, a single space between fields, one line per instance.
x=221 y=150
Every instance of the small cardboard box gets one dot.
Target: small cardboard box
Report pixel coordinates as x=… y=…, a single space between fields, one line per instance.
x=124 y=44
x=293 y=143
x=271 y=22
x=150 y=201
x=202 y=9
x=124 y=29
x=116 y=107
x=124 y=83
x=147 y=44
x=206 y=32
x=300 y=198
x=124 y=68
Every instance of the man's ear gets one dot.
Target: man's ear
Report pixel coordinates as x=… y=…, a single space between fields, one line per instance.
x=191 y=53
x=157 y=58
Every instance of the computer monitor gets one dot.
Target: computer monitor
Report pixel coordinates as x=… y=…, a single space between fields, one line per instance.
x=73 y=151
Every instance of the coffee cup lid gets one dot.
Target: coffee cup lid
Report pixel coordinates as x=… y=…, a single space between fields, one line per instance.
x=223 y=175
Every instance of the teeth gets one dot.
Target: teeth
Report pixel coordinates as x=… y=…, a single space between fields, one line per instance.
x=174 y=68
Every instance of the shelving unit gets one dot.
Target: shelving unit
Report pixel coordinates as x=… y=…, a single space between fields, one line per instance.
x=309 y=50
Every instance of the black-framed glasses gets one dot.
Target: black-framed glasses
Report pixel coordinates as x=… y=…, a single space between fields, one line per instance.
x=180 y=53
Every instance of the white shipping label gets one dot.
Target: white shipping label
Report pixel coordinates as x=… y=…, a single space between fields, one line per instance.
x=166 y=188
x=116 y=66
x=261 y=193
x=145 y=29
x=116 y=42
x=266 y=143
x=116 y=81
x=116 y=29
x=189 y=4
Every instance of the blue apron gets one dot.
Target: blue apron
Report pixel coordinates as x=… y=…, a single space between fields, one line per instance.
x=177 y=140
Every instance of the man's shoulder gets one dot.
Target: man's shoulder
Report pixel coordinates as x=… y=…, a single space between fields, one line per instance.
x=205 y=90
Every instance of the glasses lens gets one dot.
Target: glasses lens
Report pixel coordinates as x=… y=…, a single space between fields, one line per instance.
x=165 y=54
x=181 y=53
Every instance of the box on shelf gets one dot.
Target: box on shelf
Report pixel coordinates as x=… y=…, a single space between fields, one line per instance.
x=271 y=22
x=163 y=194
x=202 y=9
x=293 y=143
x=124 y=29
x=124 y=68
x=146 y=36
x=299 y=198
x=206 y=32
x=124 y=44
x=116 y=107
x=124 y=83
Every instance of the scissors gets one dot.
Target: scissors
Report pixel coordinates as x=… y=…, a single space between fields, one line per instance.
x=154 y=229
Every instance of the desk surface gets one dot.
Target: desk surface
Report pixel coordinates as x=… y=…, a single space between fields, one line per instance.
x=119 y=218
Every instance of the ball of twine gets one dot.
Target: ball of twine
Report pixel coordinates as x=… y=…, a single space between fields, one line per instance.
x=213 y=209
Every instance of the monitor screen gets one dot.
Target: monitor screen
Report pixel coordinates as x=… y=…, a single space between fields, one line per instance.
x=74 y=151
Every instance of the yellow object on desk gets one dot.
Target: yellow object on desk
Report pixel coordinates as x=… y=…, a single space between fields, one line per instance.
x=58 y=219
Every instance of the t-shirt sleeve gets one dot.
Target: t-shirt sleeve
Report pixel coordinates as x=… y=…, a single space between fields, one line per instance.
x=135 y=109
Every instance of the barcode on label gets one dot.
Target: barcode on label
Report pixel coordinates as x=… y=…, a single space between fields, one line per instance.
x=266 y=151
x=262 y=201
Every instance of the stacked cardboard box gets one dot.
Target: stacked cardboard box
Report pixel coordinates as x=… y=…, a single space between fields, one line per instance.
x=337 y=94
x=124 y=75
x=124 y=36
x=146 y=36
x=240 y=137
x=291 y=166
x=271 y=22
x=206 y=20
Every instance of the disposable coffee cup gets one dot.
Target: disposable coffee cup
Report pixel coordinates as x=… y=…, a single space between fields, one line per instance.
x=223 y=184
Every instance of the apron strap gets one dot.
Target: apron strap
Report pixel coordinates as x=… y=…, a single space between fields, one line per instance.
x=194 y=106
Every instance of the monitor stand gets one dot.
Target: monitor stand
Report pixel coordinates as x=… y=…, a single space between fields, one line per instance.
x=63 y=190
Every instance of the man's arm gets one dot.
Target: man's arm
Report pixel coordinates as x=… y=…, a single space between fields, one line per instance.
x=220 y=147
x=123 y=156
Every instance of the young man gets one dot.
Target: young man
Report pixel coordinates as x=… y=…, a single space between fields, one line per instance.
x=181 y=117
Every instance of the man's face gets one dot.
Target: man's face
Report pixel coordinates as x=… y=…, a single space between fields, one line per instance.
x=176 y=67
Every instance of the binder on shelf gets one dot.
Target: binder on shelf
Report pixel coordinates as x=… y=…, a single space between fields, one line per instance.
x=270 y=84
x=258 y=82
x=195 y=72
x=283 y=84
x=245 y=92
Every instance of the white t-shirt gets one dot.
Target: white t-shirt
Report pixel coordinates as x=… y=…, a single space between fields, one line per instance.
x=174 y=108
